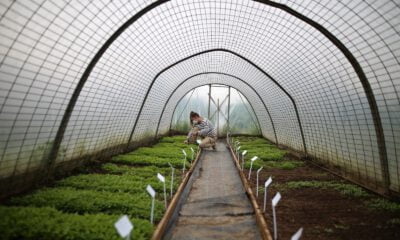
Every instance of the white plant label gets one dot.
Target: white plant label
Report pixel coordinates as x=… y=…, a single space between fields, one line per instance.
x=243 y=153
x=184 y=160
x=161 y=177
x=124 y=226
x=172 y=178
x=258 y=173
x=276 y=199
x=297 y=235
x=151 y=191
x=251 y=165
x=267 y=183
x=198 y=141
x=192 y=153
x=238 y=148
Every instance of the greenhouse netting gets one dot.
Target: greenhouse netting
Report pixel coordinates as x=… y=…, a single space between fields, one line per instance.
x=84 y=81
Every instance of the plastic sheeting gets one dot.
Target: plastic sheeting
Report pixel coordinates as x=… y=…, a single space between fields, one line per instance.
x=329 y=69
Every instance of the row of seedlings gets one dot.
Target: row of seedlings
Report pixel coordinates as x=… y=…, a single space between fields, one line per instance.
x=89 y=205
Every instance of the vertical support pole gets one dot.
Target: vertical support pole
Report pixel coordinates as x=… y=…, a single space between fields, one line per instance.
x=229 y=108
x=218 y=109
x=209 y=101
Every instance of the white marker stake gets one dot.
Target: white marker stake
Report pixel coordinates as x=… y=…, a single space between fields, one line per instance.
x=152 y=193
x=184 y=160
x=297 y=235
x=267 y=183
x=251 y=165
x=238 y=152
x=243 y=154
x=162 y=179
x=258 y=172
x=275 y=201
x=172 y=177
x=236 y=144
x=191 y=149
x=124 y=227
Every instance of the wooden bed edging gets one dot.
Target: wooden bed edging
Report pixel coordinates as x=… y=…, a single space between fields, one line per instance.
x=262 y=224
x=162 y=225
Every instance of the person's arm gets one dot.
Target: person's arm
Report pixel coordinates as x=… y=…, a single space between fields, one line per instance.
x=189 y=134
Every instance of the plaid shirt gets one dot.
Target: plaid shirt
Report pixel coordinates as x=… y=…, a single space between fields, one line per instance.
x=206 y=129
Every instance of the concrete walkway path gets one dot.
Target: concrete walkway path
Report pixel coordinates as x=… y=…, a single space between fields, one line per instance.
x=217 y=206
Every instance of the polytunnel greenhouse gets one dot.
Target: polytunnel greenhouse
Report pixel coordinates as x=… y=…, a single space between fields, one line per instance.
x=200 y=119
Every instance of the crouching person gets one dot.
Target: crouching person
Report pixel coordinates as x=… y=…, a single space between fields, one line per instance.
x=202 y=127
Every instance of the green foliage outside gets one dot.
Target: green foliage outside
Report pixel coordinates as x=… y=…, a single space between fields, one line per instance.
x=86 y=206
x=241 y=122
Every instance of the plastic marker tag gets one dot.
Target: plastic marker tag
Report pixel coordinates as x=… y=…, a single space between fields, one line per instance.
x=198 y=141
x=124 y=226
x=239 y=148
x=160 y=177
x=268 y=182
x=192 y=149
x=244 y=152
x=276 y=199
x=151 y=191
x=184 y=152
x=254 y=158
x=258 y=171
x=297 y=235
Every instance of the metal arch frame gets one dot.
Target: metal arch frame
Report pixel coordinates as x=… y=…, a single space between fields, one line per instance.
x=380 y=136
x=219 y=73
x=68 y=111
x=349 y=56
x=201 y=85
x=233 y=53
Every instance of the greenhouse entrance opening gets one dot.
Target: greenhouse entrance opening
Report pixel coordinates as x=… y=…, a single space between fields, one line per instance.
x=226 y=107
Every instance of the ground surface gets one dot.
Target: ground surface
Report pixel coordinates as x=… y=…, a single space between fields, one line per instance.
x=325 y=213
x=217 y=206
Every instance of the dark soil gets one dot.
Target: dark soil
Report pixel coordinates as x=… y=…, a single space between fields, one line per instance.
x=323 y=213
